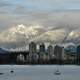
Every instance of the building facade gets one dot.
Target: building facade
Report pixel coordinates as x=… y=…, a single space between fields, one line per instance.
x=33 y=57
x=78 y=55
x=59 y=53
x=32 y=48
x=50 y=52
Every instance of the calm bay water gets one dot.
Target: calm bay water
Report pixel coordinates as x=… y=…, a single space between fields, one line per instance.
x=39 y=72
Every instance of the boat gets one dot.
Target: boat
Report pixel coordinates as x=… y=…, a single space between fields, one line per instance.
x=57 y=72
x=11 y=71
x=1 y=73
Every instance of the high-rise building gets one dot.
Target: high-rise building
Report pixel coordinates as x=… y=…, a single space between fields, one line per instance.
x=42 y=55
x=20 y=58
x=32 y=51
x=78 y=54
x=50 y=50
x=59 y=52
x=63 y=53
x=42 y=48
x=32 y=48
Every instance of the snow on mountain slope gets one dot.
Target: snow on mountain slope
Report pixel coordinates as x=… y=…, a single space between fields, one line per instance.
x=21 y=32
x=74 y=36
x=51 y=36
x=21 y=35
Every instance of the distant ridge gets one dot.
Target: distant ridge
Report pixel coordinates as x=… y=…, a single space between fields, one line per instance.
x=21 y=35
x=3 y=51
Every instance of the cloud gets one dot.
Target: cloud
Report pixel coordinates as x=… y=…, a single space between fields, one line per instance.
x=21 y=35
x=20 y=10
x=21 y=6
x=69 y=19
x=54 y=14
x=4 y=3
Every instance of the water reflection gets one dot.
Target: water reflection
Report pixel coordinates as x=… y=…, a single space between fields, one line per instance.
x=68 y=72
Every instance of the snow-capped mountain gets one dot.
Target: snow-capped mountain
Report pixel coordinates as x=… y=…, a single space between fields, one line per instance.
x=74 y=36
x=51 y=36
x=3 y=51
x=21 y=35
x=70 y=48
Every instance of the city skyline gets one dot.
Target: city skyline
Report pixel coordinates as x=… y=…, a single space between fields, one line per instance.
x=41 y=54
x=39 y=39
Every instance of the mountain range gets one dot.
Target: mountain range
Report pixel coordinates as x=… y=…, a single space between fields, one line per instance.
x=22 y=35
x=3 y=51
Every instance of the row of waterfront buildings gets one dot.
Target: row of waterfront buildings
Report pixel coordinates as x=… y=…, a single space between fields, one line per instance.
x=39 y=54
x=43 y=54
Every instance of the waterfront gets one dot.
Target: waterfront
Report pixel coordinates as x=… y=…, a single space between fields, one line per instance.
x=39 y=72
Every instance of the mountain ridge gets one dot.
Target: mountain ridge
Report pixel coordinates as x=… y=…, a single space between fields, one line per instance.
x=22 y=35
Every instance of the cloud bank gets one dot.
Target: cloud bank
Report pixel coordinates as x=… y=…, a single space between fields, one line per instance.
x=19 y=36
x=51 y=17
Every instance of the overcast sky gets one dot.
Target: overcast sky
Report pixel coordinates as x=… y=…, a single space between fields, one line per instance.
x=56 y=13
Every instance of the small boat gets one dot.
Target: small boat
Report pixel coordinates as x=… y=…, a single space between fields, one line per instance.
x=11 y=71
x=57 y=72
x=1 y=73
